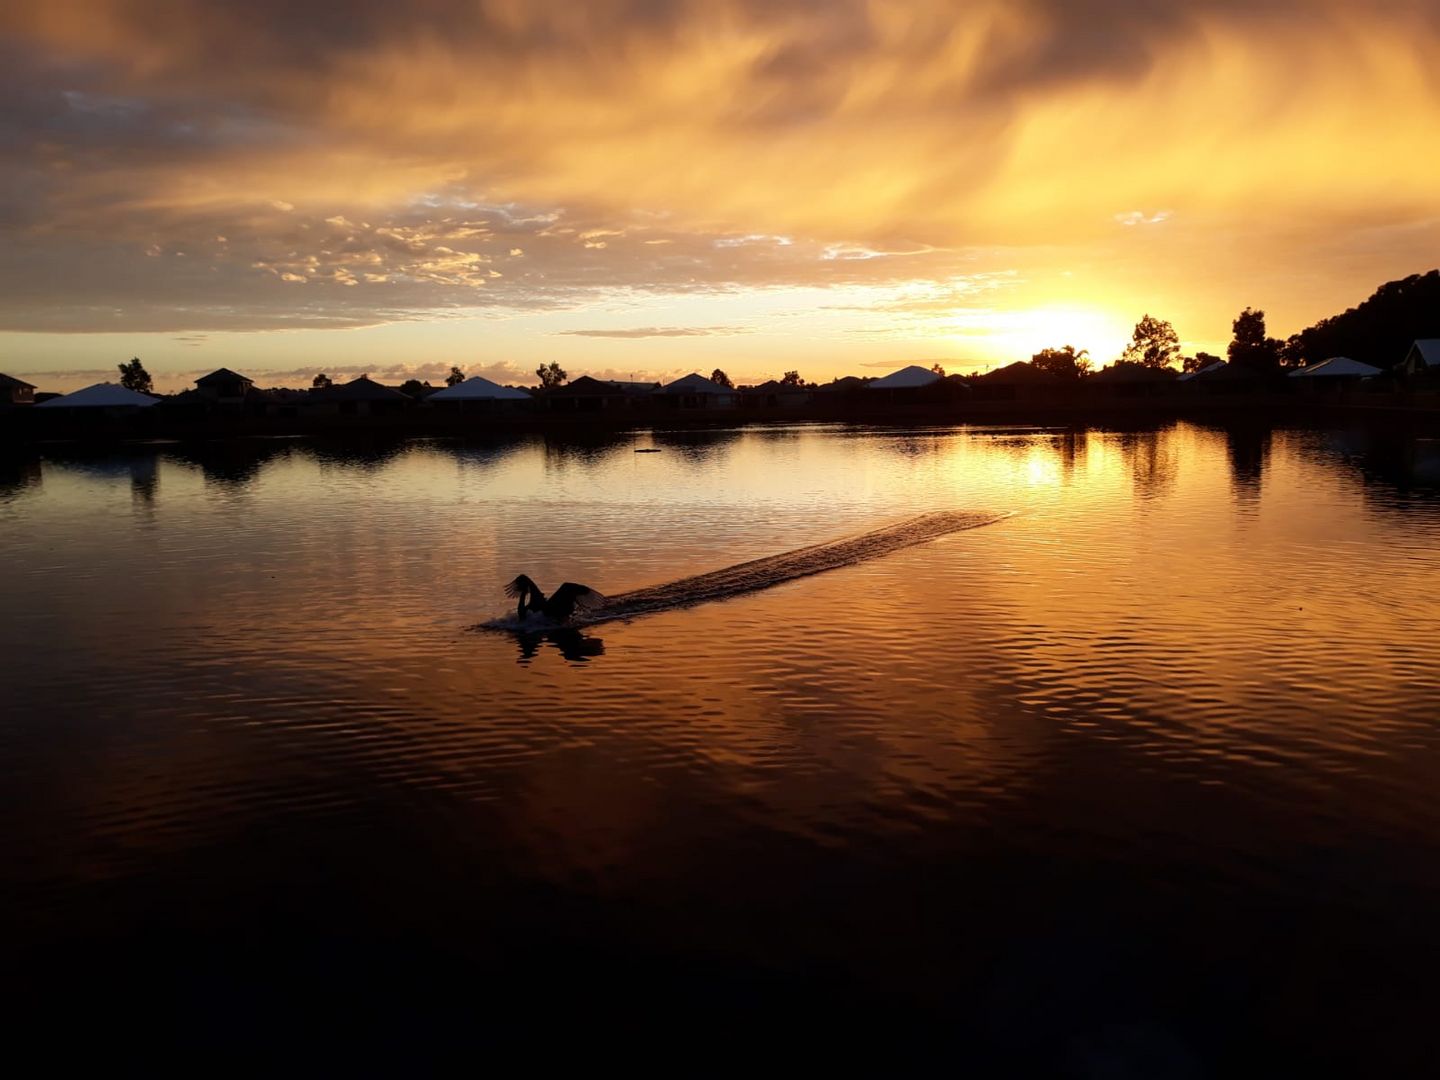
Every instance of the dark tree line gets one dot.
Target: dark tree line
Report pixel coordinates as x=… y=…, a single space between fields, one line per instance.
x=1377 y=331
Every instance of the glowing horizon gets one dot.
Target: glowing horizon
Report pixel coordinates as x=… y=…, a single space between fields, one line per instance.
x=646 y=189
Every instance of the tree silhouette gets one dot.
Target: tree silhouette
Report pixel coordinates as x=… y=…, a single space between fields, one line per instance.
x=791 y=378
x=719 y=378
x=413 y=387
x=1065 y=362
x=1251 y=348
x=551 y=375
x=455 y=378
x=1198 y=362
x=1379 y=329
x=321 y=381
x=1154 y=344
x=133 y=376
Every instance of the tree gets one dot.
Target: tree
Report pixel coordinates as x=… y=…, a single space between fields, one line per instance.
x=321 y=381
x=1065 y=363
x=1198 y=362
x=790 y=378
x=1379 y=329
x=938 y=369
x=414 y=387
x=721 y=379
x=1251 y=348
x=552 y=376
x=133 y=376
x=1154 y=344
x=455 y=378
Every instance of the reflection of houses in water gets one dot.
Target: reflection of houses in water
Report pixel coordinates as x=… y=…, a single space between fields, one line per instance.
x=230 y=463
x=1151 y=459
x=697 y=445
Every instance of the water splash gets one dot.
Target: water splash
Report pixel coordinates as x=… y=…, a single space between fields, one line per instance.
x=765 y=573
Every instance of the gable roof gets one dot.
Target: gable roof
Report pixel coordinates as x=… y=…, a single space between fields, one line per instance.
x=362 y=389
x=1019 y=371
x=222 y=375
x=1208 y=369
x=1428 y=350
x=905 y=379
x=101 y=395
x=13 y=383
x=1335 y=367
x=477 y=388
x=694 y=384
x=586 y=386
x=1125 y=372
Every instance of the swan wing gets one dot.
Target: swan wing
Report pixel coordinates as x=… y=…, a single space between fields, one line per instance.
x=519 y=587
x=582 y=597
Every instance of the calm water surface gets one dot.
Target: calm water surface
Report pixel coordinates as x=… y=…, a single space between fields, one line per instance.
x=1139 y=778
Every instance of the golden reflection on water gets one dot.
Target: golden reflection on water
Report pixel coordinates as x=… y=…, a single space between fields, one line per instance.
x=261 y=624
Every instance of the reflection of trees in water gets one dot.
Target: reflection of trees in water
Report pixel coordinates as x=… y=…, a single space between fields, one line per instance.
x=1151 y=459
x=18 y=474
x=1248 y=447
x=229 y=463
x=1071 y=449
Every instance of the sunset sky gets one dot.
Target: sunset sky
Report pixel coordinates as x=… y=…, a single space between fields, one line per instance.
x=648 y=187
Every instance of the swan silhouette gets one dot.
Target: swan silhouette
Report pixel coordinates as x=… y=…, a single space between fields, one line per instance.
x=560 y=606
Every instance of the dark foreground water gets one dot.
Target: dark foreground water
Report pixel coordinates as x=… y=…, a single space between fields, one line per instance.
x=1138 y=781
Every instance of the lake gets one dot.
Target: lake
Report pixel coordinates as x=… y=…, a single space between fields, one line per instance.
x=1138 y=779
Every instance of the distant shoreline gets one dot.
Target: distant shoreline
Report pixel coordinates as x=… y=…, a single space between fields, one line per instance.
x=25 y=427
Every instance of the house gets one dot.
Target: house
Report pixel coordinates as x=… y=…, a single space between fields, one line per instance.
x=696 y=392
x=359 y=397
x=101 y=396
x=15 y=391
x=1124 y=379
x=907 y=378
x=1338 y=375
x=587 y=394
x=1020 y=381
x=776 y=395
x=224 y=386
x=477 y=393
x=1204 y=372
x=1337 y=367
x=1422 y=359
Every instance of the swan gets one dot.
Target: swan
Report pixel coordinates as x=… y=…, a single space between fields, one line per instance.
x=559 y=606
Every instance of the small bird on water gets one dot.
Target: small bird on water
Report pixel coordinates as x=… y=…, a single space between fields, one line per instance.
x=560 y=606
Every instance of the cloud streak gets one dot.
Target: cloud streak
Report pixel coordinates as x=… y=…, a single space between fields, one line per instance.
x=659 y=332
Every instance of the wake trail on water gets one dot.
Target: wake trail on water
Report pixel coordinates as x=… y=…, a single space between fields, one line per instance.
x=757 y=574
